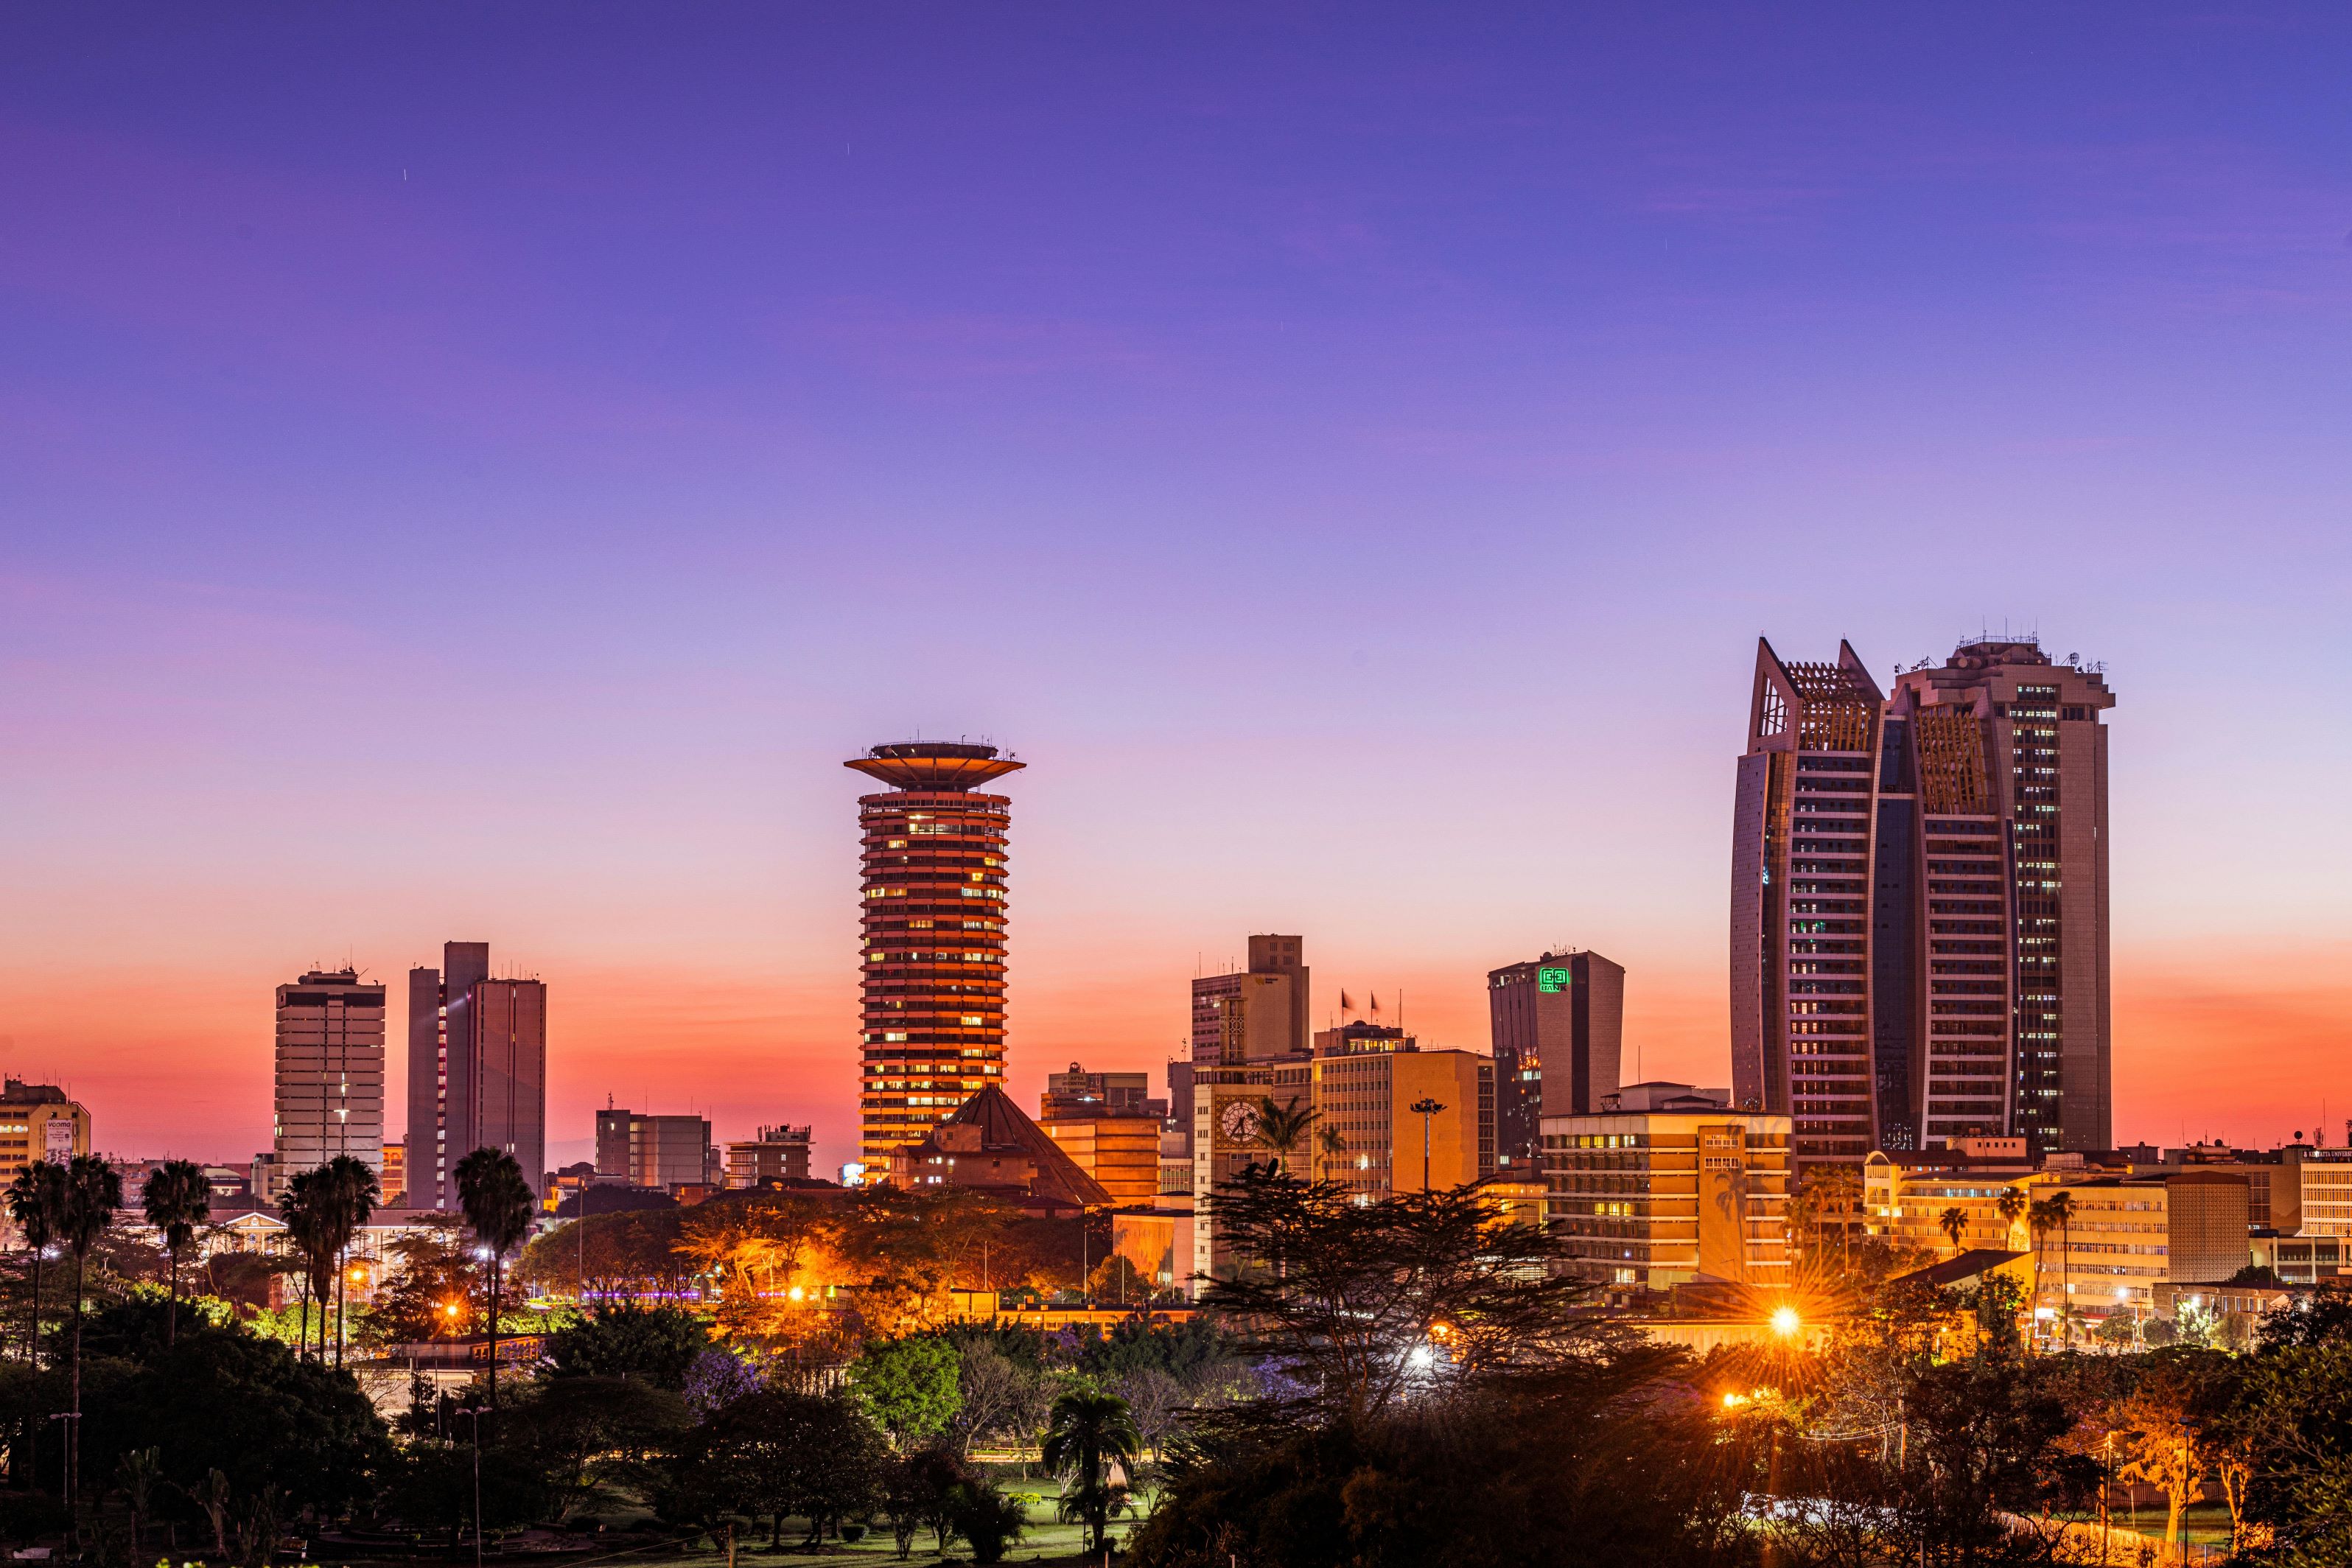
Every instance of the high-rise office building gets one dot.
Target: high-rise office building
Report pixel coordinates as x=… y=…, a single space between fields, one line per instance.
x=1919 y=902
x=1257 y=1015
x=476 y=1072
x=933 y=974
x=1558 y=1038
x=330 y=1100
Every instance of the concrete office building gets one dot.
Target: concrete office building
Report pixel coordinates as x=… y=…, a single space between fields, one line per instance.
x=2115 y=1251
x=658 y=1151
x=39 y=1122
x=1652 y=1199
x=1559 y=1025
x=476 y=1072
x=1255 y=1015
x=778 y=1154
x=1367 y=1098
x=2327 y=1191
x=932 y=976
x=330 y=1074
x=1919 y=902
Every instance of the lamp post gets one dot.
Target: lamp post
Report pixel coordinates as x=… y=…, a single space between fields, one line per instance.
x=1425 y=1107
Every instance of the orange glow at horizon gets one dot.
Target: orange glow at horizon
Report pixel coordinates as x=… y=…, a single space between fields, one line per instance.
x=2209 y=1042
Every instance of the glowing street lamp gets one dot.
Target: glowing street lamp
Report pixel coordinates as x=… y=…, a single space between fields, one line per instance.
x=1786 y=1322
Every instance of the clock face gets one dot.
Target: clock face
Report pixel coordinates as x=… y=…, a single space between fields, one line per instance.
x=1239 y=1119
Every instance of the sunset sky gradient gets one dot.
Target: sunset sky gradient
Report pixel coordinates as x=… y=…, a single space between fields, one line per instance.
x=475 y=472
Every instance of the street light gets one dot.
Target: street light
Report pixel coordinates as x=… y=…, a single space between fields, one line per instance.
x=1425 y=1107
x=1786 y=1322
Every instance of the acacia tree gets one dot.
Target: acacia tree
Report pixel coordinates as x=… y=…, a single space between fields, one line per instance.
x=496 y=1201
x=177 y=1198
x=1360 y=1302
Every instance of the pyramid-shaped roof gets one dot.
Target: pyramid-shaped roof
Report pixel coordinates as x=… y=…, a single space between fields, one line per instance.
x=1006 y=1129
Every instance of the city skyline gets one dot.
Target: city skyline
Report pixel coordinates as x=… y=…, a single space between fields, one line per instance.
x=1355 y=469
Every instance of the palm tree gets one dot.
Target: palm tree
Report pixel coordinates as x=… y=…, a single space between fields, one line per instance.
x=2010 y=1205
x=1089 y=1442
x=1334 y=1150
x=141 y=1475
x=306 y=1206
x=2041 y=1219
x=1283 y=1128
x=496 y=1201
x=2062 y=1214
x=1835 y=1189
x=1954 y=1223
x=177 y=1197
x=37 y=1202
x=351 y=1191
x=93 y=1193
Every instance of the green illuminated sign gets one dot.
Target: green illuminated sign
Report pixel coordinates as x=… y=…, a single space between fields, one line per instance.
x=1552 y=979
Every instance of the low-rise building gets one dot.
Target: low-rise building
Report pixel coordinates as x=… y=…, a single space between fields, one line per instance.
x=777 y=1154
x=990 y=1145
x=39 y=1122
x=1650 y=1200
x=2113 y=1250
x=1905 y=1194
x=1119 y=1149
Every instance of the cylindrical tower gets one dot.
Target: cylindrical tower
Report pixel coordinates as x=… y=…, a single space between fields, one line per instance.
x=934 y=927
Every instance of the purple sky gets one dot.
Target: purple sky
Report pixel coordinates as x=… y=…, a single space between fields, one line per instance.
x=475 y=472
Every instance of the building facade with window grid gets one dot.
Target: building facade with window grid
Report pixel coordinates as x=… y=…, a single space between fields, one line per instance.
x=1653 y=1200
x=933 y=975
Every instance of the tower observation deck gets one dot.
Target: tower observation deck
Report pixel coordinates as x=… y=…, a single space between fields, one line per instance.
x=933 y=961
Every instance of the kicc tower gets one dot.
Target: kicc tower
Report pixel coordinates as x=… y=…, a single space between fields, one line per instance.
x=933 y=964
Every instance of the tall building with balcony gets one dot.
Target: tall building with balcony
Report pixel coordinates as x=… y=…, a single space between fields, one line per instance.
x=1908 y=963
x=1558 y=1026
x=330 y=1073
x=933 y=972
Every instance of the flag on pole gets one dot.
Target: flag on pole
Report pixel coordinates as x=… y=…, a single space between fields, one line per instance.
x=1347 y=1003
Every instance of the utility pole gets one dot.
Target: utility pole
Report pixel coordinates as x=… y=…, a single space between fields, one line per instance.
x=1425 y=1107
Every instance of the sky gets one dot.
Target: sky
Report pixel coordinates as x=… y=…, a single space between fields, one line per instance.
x=475 y=473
